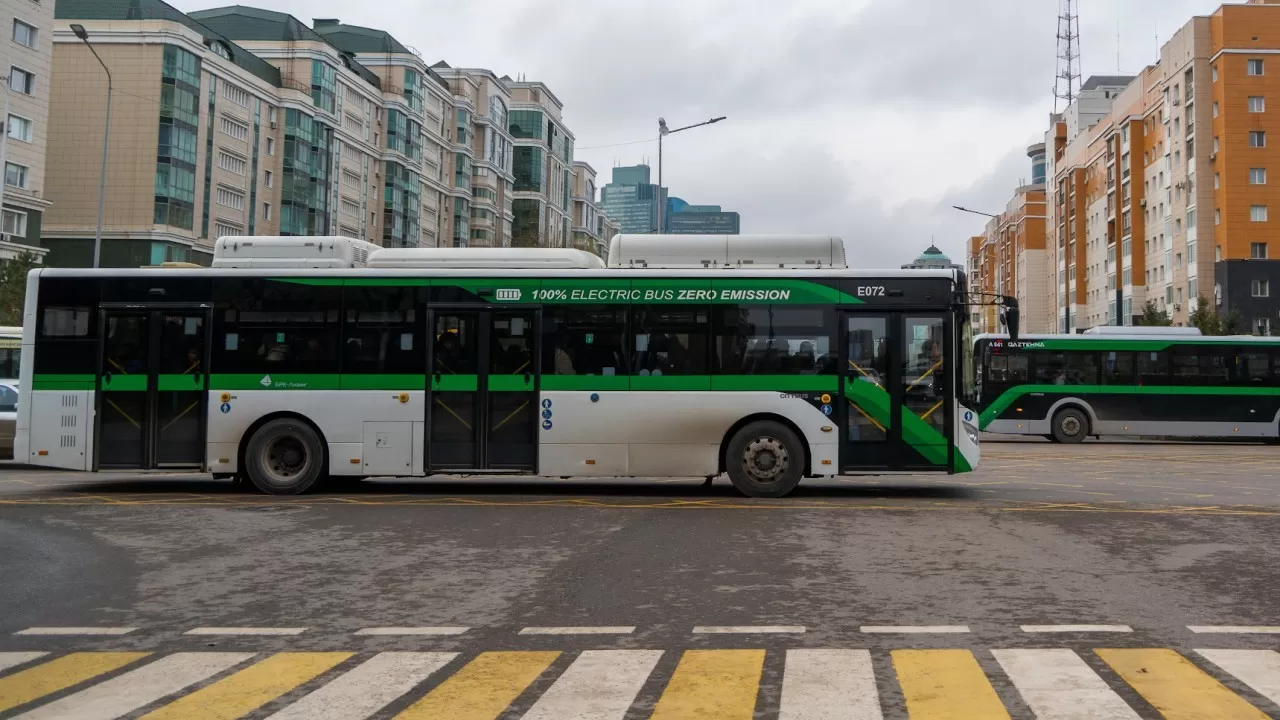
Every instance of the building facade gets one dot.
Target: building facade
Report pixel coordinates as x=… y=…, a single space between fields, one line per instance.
x=586 y=226
x=29 y=57
x=542 y=167
x=632 y=199
x=681 y=218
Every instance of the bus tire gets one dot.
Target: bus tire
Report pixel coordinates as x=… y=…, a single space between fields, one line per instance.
x=1070 y=425
x=284 y=457
x=765 y=460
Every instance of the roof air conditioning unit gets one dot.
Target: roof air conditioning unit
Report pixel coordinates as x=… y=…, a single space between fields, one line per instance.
x=273 y=125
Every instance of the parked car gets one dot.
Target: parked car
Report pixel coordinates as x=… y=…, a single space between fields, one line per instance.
x=8 y=418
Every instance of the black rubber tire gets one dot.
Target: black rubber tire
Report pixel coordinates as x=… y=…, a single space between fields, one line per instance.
x=1072 y=419
x=301 y=454
x=775 y=441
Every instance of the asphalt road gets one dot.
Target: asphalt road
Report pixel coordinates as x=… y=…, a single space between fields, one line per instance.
x=1169 y=547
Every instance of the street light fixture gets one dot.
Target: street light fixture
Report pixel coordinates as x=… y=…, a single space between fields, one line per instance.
x=106 y=135
x=975 y=212
x=663 y=131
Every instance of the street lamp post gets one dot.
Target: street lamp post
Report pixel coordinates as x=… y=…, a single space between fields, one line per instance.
x=106 y=135
x=975 y=212
x=663 y=131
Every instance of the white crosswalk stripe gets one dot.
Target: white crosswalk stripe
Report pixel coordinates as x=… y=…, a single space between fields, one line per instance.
x=1259 y=669
x=367 y=688
x=599 y=685
x=829 y=685
x=124 y=694
x=1058 y=685
x=11 y=659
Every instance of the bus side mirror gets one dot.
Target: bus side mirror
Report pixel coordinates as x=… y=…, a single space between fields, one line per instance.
x=1012 y=317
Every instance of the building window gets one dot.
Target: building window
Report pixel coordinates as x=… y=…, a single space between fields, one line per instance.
x=237 y=130
x=271 y=146
x=1257 y=104
x=268 y=178
x=1258 y=251
x=1257 y=213
x=324 y=82
x=15 y=223
x=25 y=34
x=266 y=211
x=235 y=94
x=15 y=175
x=1215 y=109
x=1217 y=217
x=231 y=163
x=19 y=128
x=351 y=179
x=1257 y=176
x=1255 y=66
x=350 y=207
x=230 y=198
x=21 y=81
x=1262 y=327
x=1262 y=288
x=1215 y=73
x=223 y=229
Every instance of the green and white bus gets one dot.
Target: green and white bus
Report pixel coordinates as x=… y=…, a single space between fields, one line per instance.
x=293 y=360
x=1158 y=382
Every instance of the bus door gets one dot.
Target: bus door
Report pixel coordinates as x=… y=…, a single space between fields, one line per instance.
x=895 y=411
x=151 y=399
x=482 y=410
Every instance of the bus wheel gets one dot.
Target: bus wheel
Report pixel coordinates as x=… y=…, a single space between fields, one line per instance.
x=765 y=460
x=284 y=457
x=1070 y=426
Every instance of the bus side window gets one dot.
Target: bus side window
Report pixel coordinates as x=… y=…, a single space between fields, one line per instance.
x=1117 y=368
x=584 y=341
x=1254 y=369
x=1153 y=368
x=670 y=340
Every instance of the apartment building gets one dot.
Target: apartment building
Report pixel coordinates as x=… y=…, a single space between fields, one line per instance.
x=1011 y=257
x=28 y=56
x=1158 y=183
x=543 y=158
x=586 y=224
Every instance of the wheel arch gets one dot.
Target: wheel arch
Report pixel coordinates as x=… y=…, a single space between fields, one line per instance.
x=762 y=417
x=1077 y=403
x=281 y=415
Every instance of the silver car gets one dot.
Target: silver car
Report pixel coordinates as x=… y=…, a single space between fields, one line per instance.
x=8 y=418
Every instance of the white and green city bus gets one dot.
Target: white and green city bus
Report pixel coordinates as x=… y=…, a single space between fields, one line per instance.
x=1163 y=382
x=297 y=359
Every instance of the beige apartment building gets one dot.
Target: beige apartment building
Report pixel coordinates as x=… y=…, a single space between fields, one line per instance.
x=244 y=121
x=543 y=159
x=27 y=55
x=586 y=217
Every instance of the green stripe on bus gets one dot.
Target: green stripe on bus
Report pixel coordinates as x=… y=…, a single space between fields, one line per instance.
x=918 y=433
x=456 y=383
x=777 y=383
x=124 y=383
x=1008 y=397
x=174 y=383
x=510 y=383
x=274 y=381
x=64 y=382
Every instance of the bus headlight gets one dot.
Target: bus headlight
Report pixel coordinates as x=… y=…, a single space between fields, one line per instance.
x=971 y=431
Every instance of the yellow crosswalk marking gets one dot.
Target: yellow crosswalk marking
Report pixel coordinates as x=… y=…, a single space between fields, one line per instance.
x=33 y=683
x=251 y=688
x=1176 y=687
x=483 y=688
x=946 y=684
x=712 y=685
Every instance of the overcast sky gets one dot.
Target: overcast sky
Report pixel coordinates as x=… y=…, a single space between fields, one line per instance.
x=865 y=119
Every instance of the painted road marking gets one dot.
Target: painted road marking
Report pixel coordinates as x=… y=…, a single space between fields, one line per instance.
x=747 y=629
x=1176 y=687
x=1059 y=685
x=22 y=687
x=1259 y=669
x=251 y=688
x=946 y=684
x=1236 y=629
x=829 y=685
x=914 y=629
x=1076 y=628
x=483 y=688
x=620 y=630
x=76 y=631
x=712 y=685
x=412 y=631
x=13 y=659
x=154 y=681
x=245 y=631
x=367 y=688
x=599 y=685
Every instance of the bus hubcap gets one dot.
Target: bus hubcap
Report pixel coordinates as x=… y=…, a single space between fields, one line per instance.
x=286 y=457
x=1071 y=426
x=765 y=459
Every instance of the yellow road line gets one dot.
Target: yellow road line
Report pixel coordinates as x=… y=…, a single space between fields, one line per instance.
x=44 y=679
x=483 y=688
x=946 y=684
x=1176 y=687
x=251 y=688
x=712 y=684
